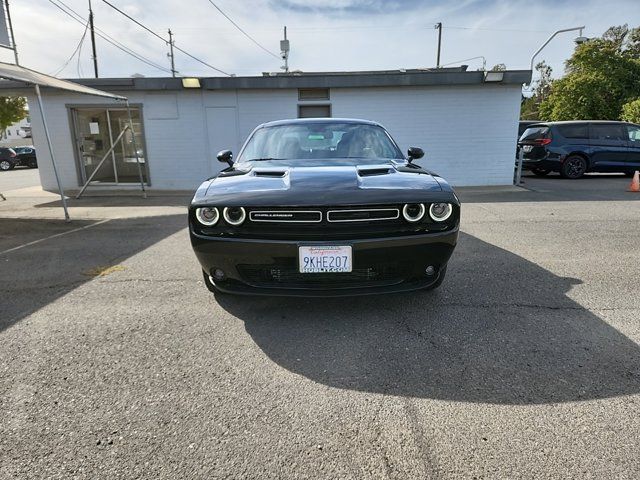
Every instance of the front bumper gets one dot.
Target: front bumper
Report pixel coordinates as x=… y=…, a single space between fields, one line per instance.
x=380 y=265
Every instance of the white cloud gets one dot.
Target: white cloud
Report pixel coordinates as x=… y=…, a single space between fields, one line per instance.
x=333 y=35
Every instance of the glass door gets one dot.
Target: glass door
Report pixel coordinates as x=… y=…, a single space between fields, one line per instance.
x=94 y=140
x=124 y=155
x=96 y=131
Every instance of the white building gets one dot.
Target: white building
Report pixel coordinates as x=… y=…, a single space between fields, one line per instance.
x=466 y=121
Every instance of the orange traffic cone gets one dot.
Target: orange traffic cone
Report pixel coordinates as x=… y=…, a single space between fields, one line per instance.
x=635 y=183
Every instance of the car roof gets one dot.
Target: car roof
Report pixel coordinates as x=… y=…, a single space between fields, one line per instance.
x=302 y=121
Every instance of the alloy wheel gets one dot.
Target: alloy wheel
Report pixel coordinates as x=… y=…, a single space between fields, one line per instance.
x=575 y=167
x=5 y=165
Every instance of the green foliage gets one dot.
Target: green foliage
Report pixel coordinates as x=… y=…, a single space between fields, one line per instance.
x=499 y=67
x=12 y=110
x=602 y=75
x=530 y=108
x=631 y=111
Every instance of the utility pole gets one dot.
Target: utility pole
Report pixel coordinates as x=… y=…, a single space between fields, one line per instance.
x=173 y=65
x=439 y=27
x=13 y=38
x=93 y=41
x=284 y=51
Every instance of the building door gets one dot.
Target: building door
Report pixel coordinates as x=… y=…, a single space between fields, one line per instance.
x=96 y=130
x=93 y=141
x=222 y=129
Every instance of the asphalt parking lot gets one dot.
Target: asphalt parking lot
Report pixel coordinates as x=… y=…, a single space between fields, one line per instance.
x=116 y=362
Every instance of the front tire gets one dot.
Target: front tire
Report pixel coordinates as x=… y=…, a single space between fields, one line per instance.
x=573 y=167
x=6 y=165
x=441 y=274
x=540 y=172
x=32 y=164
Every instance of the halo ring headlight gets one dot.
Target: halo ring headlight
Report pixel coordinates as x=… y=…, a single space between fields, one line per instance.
x=207 y=216
x=234 y=215
x=410 y=213
x=439 y=212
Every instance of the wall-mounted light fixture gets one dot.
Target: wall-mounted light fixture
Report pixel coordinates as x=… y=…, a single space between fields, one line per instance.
x=492 y=76
x=191 y=83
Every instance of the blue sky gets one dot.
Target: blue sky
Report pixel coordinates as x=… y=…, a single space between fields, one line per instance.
x=324 y=34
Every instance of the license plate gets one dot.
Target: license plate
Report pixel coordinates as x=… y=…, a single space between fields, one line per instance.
x=325 y=259
x=527 y=148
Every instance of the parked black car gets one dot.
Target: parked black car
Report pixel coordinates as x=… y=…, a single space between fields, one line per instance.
x=26 y=156
x=323 y=207
x=575 y=148
x=7 y=158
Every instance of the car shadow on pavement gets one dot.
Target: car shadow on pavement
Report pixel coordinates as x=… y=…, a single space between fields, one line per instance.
x=35 y=275
x=500 y=330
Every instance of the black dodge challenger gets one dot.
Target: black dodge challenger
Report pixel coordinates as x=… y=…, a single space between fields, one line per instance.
x=323 y=207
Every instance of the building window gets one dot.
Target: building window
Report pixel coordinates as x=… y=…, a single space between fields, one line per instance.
x=104 y=133
x=314 y=111
x=313 y=94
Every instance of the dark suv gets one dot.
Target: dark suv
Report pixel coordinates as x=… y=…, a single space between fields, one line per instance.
x=575 y=148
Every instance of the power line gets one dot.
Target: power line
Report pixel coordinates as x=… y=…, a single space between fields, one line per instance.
x=201 y=61
x=136 y=21
x=426 y=26
x=497 y=29
x=109 y=39
x=78 y=47
x=244 y=32
x=79 y=63
x=106 y=37
x=164 y=40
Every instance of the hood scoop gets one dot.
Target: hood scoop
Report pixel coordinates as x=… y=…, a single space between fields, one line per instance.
x=374 y=171
x=269 y=173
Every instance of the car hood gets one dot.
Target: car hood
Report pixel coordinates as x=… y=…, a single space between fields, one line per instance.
x=321 y=185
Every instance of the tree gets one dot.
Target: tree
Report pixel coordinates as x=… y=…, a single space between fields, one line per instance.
x=601 y=76
x=631 y=111
x=499 y=67
x=531 y=106
x=12 y=110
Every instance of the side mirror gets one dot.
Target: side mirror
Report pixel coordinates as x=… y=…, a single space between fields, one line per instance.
x=414 y=153
x=225 y=156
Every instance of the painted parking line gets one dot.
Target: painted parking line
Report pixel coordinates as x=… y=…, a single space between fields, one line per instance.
x=52 y=236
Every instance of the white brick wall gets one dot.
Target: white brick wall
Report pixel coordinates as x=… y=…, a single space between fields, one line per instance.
x=468 y=132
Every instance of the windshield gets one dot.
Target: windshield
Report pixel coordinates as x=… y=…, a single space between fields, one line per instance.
x=321 y=140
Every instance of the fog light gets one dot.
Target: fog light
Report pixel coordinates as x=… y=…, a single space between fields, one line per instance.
x=430 y=270
x=218 y=274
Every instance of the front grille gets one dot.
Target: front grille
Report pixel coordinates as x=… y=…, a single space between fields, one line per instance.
x=293 y=216
x=363 y=215
x=276 y=276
